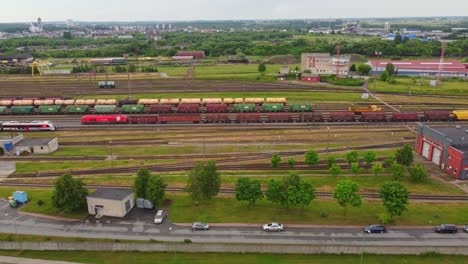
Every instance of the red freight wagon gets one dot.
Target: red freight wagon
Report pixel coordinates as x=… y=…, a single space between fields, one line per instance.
x=188 y=108
x=248 y=117
x=104 y=119
x=217 y=118
x=279 y=117
x=373 y=116
x=310 y=117
x=405 y=116
x=437 y=115
x=210 y=108
x=179 y=119
x=143 y=119
x=342 y=116
x=160 y=108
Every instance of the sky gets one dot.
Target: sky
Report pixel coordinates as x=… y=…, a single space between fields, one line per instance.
x=183 y=10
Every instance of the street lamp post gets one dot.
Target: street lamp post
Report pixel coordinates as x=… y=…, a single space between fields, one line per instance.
x=111 y=155
x=328 y=139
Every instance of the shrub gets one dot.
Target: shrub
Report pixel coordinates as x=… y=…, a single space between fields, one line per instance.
x=2 y=152
x=324 y=214
x=384 y=218
x=291 y=163
x=418 y=173
x=187 y=240
x=40 y=203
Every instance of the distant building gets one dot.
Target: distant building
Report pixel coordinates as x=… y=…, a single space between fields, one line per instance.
x=446 y=147
x=16 y=59
x=36 y=27
x=19 y=144
x=284 y=70
x=110 y=202
x=450 y=68
x=324 y=63
x=387 y=27
x=195 y=54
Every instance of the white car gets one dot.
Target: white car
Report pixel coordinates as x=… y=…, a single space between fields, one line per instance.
x=159 y=217
x=273 y=227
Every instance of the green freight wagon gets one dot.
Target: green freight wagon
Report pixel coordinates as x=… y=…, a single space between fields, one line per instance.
x=104 y=109
x=49 y=109
x=22 y=110
x=77 y=109
x=301 y=107
x=272 y=107
x=132 y=108
x=3 y=109
x=244 y=107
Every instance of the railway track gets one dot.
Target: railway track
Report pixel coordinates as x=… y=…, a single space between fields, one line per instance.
x=366 y=195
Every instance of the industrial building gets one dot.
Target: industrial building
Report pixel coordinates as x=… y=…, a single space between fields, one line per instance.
x=194 y=54
x=312 y=78
x=15 y=59
x=16 y=145
x=446 y=147
x=451 y=68
x=324 y=64
x=110 y=202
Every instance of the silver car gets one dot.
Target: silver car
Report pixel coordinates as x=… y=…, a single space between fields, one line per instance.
x=273 y=227
x=200 y=226
x=159 y=217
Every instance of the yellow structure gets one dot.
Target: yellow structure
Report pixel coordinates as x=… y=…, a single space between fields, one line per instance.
x=461 y=114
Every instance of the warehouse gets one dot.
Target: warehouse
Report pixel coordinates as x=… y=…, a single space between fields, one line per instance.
x=17 y=145
x=450 y=68
x=110 y=202
x=446 y=147
x=324 y=64
x=16 y=59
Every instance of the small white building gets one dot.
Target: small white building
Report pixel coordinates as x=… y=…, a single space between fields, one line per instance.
x=37 y=145
x=111 y=202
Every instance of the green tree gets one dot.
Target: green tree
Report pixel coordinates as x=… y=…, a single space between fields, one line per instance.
x=384 y=76
x=352 y=157
x=377 y=168
x=140 y=183
x=301 y=194
x=261 y=67
x=69 y=194
x=311 y=158
x=418 y=173
x=369 y=157
x=275 y=161
x=291 y=163
x=248 y=190
x=335 y=170
x=331 y=161
x=347 y=194
x=277 y=191
x=404 y=156
x=155 y=189
x=390 y=68
x=398 y=171
x=364 y=69
x=355 y=168
x=67 y=35
x=352 y=68
x=389 y=161
x=398 y=39
x=394 y=197
x=203 y=181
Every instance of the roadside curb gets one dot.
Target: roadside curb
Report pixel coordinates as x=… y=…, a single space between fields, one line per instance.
x=390 y=227
x=58 y=218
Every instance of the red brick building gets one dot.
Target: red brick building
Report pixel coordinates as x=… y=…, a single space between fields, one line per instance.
x=446 y=147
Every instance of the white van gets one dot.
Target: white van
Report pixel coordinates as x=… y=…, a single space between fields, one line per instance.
x=159 y=217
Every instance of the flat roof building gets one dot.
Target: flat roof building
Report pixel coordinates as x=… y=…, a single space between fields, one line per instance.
x=451 y=68
x=110 y=202
x=446 y=147
x=324 y=64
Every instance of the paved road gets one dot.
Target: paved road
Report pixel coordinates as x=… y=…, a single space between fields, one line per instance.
x=138 y=226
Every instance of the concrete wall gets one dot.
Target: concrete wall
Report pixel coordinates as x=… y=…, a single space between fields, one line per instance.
x=237 y=248
x=111 y=207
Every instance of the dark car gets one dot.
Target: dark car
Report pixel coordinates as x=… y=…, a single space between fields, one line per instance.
x=446 y=229
x=375 y=229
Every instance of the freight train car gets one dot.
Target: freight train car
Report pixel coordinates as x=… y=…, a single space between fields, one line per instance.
x=103 y=119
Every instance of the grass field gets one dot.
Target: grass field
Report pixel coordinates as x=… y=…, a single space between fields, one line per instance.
x=402 y=86
x=226 y=258
x=228 y=210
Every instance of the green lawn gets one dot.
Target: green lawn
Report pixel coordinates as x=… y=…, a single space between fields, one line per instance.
x=447 y=88
x=44 y=195
x=228 y=210
x=228 y=258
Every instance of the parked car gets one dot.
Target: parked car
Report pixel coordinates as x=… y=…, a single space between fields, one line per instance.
x=273 y=227
x=465 y=228
x=445 y=228
x=159 y=217
x=200 y=226
x=375 y=229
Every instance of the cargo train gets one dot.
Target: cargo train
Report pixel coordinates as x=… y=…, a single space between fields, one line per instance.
x=272 y=117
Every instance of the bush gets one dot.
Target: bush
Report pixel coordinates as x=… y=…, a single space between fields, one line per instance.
x=40 y=203
x=342 y=81
x=2 y=152
x=391 y=80
x=384 y=218
x=418 y=173
x=187 y=240
x=275 y=161
x=324 y=214
x=291 y=163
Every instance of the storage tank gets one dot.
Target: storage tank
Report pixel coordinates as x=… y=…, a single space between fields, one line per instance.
x=80 y=102
x=59 y=102
x=228 y=100
x=23 y=102
x=190 y=101
x=238 y=100
x=6 y=102
x=212 y=100
x=148 y=101
x=90 y=101
x=69 y=102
